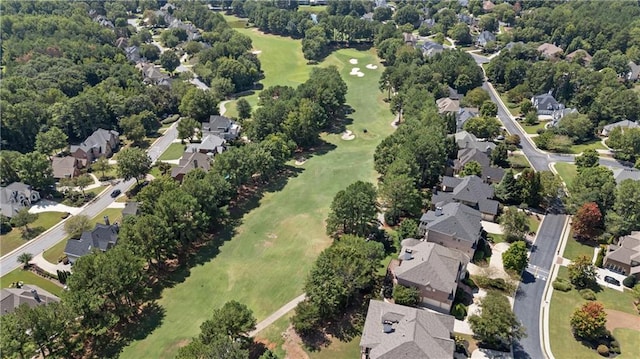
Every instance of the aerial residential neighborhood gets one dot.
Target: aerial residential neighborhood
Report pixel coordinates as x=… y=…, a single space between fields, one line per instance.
x=320 y=179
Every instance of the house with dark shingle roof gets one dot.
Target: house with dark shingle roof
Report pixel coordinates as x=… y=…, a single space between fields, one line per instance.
x=394 y=331
x=454 y=226
x=101 y=143
x=17 y=196
x=624 y=124
x=546 y=104
x=131 y=208
x=484 y=38
x=211 y=144
x=222 y=127
x=65 y=167
x=432 y=269
x=466 y=140
x=26 y=294
x=634 y=72
x=431 y=48
x=463 y=115
x=624 y=257
x=490 y=173
x=471 y=191
x=189 y=162
x=103 y=237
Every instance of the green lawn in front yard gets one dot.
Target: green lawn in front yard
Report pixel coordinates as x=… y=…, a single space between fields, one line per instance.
x=28 y=277
x=595 y=144
x=567 y=171
x=574 y=249
x=13 y=239
x=173 y=152
x=155 y=171
x=534 y=223
x=495 y=238
x=338 y=349
x=518 y=162
x=266 y=262
x=110 y=173
x=96 y=190
x=514 y=108
x=533 y=129
x=563 y=344
x=54 y=253
x=629 y=340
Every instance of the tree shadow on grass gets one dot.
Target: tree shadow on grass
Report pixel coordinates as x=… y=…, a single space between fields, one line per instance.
x=32 y=233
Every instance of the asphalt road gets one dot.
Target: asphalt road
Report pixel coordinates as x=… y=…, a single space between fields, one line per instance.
x=48 y=239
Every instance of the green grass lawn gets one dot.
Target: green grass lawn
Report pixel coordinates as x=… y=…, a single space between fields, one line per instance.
x=110 y=173
x=13 y=239
x=514 y=108
x=267 y=260
x=313 y=9
x=563 y=345
x=338 y=350
x=590 y=145
x=173 y=152
x=272 y=337
x=519 y=162
x=629 y=342
x=155 y=171
x=533 y=129
x=30 y=278
x=534 y=223
x=574 y=249
x=567 y=171
x=96 y=190
x=496 y=238
x=52 y=254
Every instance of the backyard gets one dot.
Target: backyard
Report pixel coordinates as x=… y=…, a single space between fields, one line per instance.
x=285 y=232
x=28 y=277
x=14 y=239
x=563 y=345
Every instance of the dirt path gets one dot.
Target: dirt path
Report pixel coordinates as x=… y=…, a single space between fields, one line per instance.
x=618 y=319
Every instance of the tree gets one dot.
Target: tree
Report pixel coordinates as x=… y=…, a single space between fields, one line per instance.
x=587 y=223
x=150 y=51
x=483 y=127
x=460 y=33
x=471 y=168
x=589 y=158
x=407 y=15
x=582 y=273
x=169 y=60
x=589 y=321
x=25 y=258
x=550 y=184
x=353 y=210
x=244 y=109
x=526 y=106
x=15 y=338
x=594 y=184
x=515 y=258
x=219 y=348
x=75 y=225
x=499 y=155
x=382 y=13
x=133 y=162
x=497 y=326
x=187 y=127
x=82 y=182
x=488 y=23
x=408 y=296
x=234 y=320
x=35 y=169
x=23 y=218
x=50 y=141
x=133 y=128
x=514 y=223
x=508 y=190
x=476 y=97
x=306 y=318
x=199 y=104
x=625 y=216
x=399 y=196
x=183 y=214
x=578 y=127
x=408 y=228
x=102 y=165
x=489 y=109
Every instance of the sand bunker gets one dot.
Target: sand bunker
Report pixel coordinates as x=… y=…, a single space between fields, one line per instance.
x=371 y=67
x=348 y=135
x=300 y=161
x=356 y=72
x=353 y=61
x=256 y=52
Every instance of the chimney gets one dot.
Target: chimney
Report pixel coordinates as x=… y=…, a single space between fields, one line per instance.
x=106 y=220
x=488 y=179
x=195 y=163
x=36 y=296
x=434 y=190
x=438 y=211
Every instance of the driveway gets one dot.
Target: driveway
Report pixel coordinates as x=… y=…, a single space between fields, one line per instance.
x=45 y=205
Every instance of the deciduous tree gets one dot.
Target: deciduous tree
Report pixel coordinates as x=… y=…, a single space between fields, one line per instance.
x=515 y=224
x=589 y=321
x=133 y=162
x=587 y=223
x=582 y=273
x=199 y=104
x=23 y=218
x=75 y=225
x=408 y=296
x=483 y=127
x=625 y=216
x=50 y=141
x=497 y=326
x=34 y=168
x=471 y=168
x=515 y=258
x=353 y=210
x=244 y=109
x=187 y=127
x=169 y=60
x=102 y=165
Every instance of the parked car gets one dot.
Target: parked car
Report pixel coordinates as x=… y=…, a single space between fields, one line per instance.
x=115 y=193
x=611 y=280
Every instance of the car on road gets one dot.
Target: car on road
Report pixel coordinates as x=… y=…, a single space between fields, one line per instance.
x=611 y=280
x=115 y=193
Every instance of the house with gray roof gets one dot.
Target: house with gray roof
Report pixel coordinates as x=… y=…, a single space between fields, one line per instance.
x=624 y=124
x=484 y=38
x=65 y=167
x=17 y=196
x=222 y=127
x=558 y=115
x=409 y=39
x=623 y=174
x=152 y=75
x=447 y=104
x=624 y=257
x=549 y=51
x=133 y=54
x=433 y=269
x=24 y=294
x=101 y=143
x=189 y=162
x=463 y=115
x=490 y=173
x=211 y=144
x=102 y=237
x=431 y=48
x=131 y=208
x=471 y=191
x=634 y=72
x=512 y=44
x=546 y=104
x=454 y=225
x=466 y=140
x=393 y=331
x=582 y=54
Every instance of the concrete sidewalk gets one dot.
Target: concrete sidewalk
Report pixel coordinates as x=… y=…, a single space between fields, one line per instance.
x=277 y=314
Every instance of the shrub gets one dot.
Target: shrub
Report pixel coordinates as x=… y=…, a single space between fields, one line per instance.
x=629 y=282
x=170 y=119
x=459 y=311
x=603 y=350
x=600 y=258
x=587 y=294
x=408 y=296
x=614 y=347
x=493 y=283
x=562 y=285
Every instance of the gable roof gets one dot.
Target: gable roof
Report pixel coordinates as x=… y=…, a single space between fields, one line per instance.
x=446 y=104
x=412 y=332
x=430 y=265
x=454 y=219
x=549 y=50
x=465 y=114
x=31 y=295
x=98 y=140
x=623 y=124
x=210 y=144
x=513 y=44
x=485 y=37
x=586 y=57
x=627 y=250
x=10 y=198
x=65 y=167
x=191 y=161
x=130 y=209
x=634 y=71
x=102 y=237
x=430 y=48
x=623 y=174
x=546 y=102
x=466 y=139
